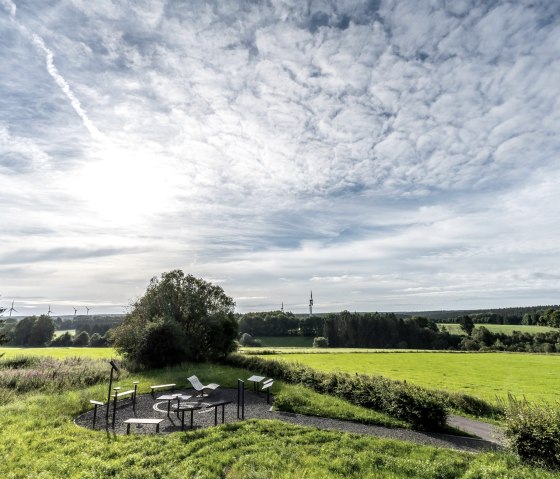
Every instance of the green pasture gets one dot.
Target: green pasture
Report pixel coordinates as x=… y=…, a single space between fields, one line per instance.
x=499 y=328
x=39 y=440
x=61 y=353
x=484 y=375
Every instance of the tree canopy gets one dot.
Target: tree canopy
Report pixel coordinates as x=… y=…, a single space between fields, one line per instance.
x=179 y=318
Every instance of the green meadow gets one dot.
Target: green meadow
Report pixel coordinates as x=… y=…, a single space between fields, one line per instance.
x=484 y=375
x=39 y=440
x=61 y=353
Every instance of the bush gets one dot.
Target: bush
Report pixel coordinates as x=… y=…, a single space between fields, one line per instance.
x=64 y=340
x=81 y=339
x=416 y=405
x=248 y=341
x=320 y=342
x=533 y=432
x=98 y=341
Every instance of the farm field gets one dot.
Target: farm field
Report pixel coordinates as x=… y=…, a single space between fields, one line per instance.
x=39 y=439
x=499 y=328
x=484 y=375
x=61 y=353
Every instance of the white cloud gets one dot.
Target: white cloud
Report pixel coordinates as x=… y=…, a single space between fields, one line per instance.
x=397 y=155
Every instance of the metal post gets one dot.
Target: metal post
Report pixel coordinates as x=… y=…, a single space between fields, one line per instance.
x=215 y=415
x=109 y=394
x=134 y=397
x=240 y=399
x=114 y=406
x=94 y=414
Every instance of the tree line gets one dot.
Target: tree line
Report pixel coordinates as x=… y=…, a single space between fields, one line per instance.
x=386 y=330
x=514 y=315
x=38 y=331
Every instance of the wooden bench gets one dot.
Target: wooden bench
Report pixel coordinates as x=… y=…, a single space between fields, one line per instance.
x=139 y=420
x=162 y=386
x=216 y=405
x=96 y=404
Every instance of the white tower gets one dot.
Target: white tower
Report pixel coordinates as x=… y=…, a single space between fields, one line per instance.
x=311 y=304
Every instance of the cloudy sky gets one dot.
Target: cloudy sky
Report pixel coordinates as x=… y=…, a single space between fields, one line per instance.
x=388 y=155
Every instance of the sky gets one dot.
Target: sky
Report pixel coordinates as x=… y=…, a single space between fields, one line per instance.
x=387 y=155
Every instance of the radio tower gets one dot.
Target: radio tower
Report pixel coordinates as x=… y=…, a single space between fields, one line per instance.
x=311 y=305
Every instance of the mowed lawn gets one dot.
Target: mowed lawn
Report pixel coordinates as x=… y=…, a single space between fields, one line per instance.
x=61 y=353
x=484 y=375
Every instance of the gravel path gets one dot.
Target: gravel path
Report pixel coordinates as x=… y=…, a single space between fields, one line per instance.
x=255 y=408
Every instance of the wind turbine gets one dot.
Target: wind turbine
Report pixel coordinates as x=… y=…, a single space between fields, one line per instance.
x=88 y=310
x=75 y=311
x=12 y=309
x=49 y=311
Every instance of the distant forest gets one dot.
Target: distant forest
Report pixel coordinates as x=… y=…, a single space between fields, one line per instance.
x=527 y=315
x=387 y=330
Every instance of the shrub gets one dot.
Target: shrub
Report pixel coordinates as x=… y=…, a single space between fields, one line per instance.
x=63 y=340
x=320 y=342
x=81 y=339
x=249 y=342
x=98 y=341
x=416 y=405
x=533 y=432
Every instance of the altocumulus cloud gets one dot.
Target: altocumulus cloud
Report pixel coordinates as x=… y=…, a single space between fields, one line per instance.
x=386 y=154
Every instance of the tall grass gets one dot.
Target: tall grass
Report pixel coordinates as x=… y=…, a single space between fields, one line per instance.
x=21 y=374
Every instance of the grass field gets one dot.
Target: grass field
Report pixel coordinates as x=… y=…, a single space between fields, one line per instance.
x=61 y=353
x=39 y=440
x=483 y=375
x=499 y=328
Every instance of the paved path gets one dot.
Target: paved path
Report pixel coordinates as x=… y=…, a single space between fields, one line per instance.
x=483 y=430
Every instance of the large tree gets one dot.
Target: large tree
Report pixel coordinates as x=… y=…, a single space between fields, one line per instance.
x=179 y=318
x=34 y=331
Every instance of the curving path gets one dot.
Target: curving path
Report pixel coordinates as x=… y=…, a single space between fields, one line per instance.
x=257 y=408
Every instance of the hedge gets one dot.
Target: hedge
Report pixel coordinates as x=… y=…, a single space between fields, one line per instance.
x=533 y=432
x=416 y=405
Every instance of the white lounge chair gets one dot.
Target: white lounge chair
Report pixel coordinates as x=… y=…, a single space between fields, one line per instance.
x=198 y=386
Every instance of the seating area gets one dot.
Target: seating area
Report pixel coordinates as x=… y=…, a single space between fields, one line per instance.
x=167 y=411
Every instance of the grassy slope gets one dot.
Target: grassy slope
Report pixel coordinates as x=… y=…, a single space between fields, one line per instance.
x=483 y=375
x=39 y=440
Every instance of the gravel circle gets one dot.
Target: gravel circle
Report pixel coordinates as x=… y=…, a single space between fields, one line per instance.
x=256 y=407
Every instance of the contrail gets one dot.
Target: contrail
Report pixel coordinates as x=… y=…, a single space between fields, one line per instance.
x=53 y=71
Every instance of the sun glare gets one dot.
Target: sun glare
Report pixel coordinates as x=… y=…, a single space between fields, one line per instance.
x=124 y=186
